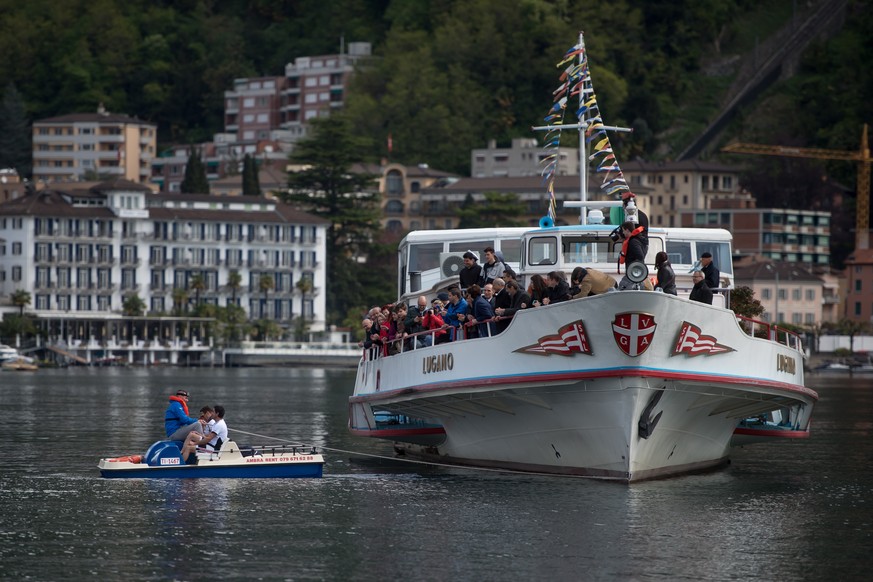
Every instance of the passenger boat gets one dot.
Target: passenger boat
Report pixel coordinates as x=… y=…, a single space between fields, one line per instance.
x=163 y=460
x=20 y=364
x=628 y=385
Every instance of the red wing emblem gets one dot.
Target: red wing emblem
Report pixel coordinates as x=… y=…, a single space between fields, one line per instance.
x=692 y=342
x=633 y=332
x=570 y=339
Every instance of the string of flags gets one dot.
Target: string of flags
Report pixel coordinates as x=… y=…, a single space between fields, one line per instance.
x=575 y=83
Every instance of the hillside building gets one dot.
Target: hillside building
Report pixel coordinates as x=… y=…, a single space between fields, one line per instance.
x=84 y=146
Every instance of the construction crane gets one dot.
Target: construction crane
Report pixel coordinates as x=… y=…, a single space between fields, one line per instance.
x=862 y=156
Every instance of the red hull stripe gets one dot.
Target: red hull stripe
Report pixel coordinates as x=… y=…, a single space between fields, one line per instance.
x=397 y=432
x=785 y=434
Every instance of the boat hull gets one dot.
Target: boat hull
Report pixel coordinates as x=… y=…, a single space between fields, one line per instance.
x=594 y=405
x=295 y=469
x=163 y=460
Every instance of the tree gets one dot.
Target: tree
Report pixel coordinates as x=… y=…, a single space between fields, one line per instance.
x=133 y=305
x=348 y=201
x=234 y=283
x=17 y=325
x=250 y=181
x=198 y=285
x=195 y=181
x=498 y=209
x=15 y=148
x=267 y=329
x=21 y=299
x=265 y=285
x=304 y=285
x=180 y=301
x=743 y=302
x=851 y=328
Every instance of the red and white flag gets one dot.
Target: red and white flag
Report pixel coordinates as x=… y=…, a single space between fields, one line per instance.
x=692 y=342
x=570 y=339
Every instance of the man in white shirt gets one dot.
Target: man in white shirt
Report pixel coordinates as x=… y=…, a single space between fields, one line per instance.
x=217 y=434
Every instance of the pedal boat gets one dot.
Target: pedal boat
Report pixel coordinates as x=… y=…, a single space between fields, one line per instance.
x=163 y=460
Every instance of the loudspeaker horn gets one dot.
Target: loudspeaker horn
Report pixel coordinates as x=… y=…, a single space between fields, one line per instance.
x=546 y=222
x=637 y=272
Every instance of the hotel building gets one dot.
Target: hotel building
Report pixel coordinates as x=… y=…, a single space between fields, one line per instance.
x=84 y=251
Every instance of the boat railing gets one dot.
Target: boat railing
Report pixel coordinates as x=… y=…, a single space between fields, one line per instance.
x=770 y=331
x=410 y=341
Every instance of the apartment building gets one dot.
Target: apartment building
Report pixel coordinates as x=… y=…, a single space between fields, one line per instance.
x=525 y=157
x=675 y=187
x=796 y=236
x=83 y=251
x=859 y=286
x=316 y=85
x=788 y=292
x=102 y=144
x=251 y=109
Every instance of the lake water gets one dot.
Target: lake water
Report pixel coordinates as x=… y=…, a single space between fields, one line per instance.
x=788 y=511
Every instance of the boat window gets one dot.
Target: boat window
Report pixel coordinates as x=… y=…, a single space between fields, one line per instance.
x=586 y=250
x=543 y=250
x=477 y=246
x=511 y=249
x=679 y=253
x=721 y=255
x=424 y=256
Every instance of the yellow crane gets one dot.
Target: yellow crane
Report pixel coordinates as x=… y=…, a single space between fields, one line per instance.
x=862 y=156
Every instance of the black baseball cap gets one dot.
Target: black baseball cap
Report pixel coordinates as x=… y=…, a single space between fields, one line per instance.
x=181 y=393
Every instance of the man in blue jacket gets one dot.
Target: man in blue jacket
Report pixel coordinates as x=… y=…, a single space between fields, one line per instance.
x=177 y=423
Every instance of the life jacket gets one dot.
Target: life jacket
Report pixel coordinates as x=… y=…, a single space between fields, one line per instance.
x=182 y=402
x=633 y=233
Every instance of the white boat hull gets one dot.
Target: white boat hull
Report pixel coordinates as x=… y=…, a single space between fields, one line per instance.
x=589 y=403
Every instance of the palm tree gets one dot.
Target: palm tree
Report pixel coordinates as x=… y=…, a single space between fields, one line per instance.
x=21 y=299
x=133 y=306
x=180 y=300
x=234 y=283
x=197 y=284
x=304 y=285
x=266 y=284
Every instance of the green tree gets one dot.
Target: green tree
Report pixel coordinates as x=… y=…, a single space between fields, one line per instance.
x=250 y=181
x=743 y=302
x=197 y=284
x=133 y=305
x=347 y=201
x=304 y=285
x=267 y=329
x=15 y=148
x=851 y=328
x=265 y=285
x=21 y=299
x=234 y=283
x=195 y=181
x=498 y=209
x=180 y=301
x=17 y=325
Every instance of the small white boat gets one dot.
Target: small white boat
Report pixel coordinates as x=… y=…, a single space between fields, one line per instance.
x=164 y=460
x=20 y=364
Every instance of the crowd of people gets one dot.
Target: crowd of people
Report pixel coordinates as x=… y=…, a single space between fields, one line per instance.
x=207 y=432
x=488 y=296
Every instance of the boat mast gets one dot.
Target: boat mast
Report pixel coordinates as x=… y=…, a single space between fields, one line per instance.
x=585 y=91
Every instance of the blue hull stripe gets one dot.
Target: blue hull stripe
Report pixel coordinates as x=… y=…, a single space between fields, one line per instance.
x=200 y=472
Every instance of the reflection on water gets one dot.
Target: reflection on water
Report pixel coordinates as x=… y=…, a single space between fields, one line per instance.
x=799 y=509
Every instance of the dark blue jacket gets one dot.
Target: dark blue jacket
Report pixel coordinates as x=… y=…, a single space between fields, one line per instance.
x=175 y=418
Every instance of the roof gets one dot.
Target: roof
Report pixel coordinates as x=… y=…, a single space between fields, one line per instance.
x=767 y=271
x=108 y=118
x=522 y=184
x=120 y=184
x=860 y=257
x=57 y=203
x=680 y=166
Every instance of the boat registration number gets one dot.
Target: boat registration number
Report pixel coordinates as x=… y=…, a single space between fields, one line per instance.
x=278 y=459
x=171 y=461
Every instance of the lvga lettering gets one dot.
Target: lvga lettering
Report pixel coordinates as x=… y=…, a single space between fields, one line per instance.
x=786 y=364
x=438 y=363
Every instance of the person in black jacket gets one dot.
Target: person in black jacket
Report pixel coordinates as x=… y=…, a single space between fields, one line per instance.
x=642 y=219
x=710 y=271
x=701 y=291
x=471 y=274
x=559 y=289
x=633 y=248
x=666 y=276
x=502 y=300
x=520 y=300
